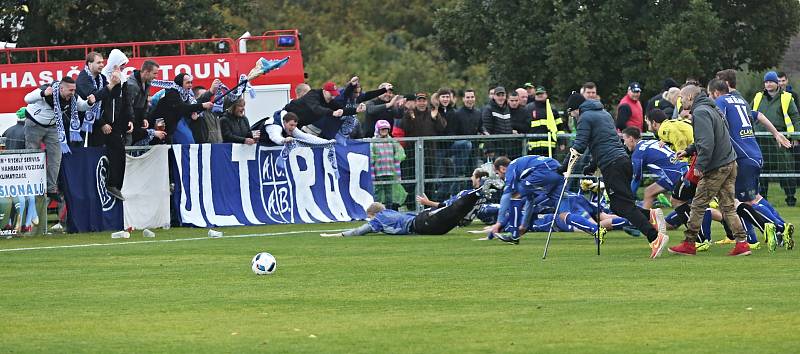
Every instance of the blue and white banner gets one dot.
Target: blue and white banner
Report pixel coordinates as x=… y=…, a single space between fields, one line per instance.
x=90 y=206
x=234 y=184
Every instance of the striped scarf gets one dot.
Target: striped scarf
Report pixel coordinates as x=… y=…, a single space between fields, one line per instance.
x=62 y=136
x=223 y=90
x=287 y=149
x=92 y=115
x=186 y=95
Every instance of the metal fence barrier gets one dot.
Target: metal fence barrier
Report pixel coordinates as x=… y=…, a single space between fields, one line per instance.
x=440 y=166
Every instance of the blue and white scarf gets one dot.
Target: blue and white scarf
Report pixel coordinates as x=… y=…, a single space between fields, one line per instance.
x=223 y=90
x=62 y=136
x=287 y=149
x=92 y=115
x=186 y=95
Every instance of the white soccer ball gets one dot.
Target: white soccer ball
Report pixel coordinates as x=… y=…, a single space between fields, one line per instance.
x=264 y=264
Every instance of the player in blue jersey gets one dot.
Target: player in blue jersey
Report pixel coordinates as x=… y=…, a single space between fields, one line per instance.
x=533 y=179
x=749 y=159
x=652 y=156
x=429 y=222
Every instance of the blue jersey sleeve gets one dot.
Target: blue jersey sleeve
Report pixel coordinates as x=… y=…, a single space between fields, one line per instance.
x=637 y=160
x=375 y=225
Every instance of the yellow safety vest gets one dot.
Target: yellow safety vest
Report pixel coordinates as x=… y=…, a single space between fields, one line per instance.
x=551 y=122
x=786 y=98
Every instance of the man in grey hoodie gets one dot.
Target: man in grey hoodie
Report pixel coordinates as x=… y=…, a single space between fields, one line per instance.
x=714 y=166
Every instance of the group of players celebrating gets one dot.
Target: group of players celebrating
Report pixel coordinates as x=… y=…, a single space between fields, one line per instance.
x=721 y=138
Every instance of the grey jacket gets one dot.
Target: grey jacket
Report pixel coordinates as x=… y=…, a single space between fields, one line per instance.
x=711 y=138
x=40 y=108
x=596 y=130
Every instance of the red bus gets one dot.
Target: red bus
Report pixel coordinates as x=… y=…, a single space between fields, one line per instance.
x=24 y=69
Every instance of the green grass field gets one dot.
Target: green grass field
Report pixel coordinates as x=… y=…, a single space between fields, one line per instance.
x=384 y=294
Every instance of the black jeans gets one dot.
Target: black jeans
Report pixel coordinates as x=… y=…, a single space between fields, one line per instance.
x=617 y=177
x=441 y=220
x=115 y=153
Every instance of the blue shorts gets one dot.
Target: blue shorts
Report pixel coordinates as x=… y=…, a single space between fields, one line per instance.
x=542 y=224
x=747 y=179
x=665 y=183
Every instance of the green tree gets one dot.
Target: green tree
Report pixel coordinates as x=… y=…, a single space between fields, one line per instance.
x=51 y=22
x=613 y=42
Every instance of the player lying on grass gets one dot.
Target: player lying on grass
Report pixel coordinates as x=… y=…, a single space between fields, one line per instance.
x=481 y=210
x=437 y=221
x=577 y=214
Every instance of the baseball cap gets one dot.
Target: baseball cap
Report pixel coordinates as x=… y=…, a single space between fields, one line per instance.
x=635 y=87
x=419 y=95
x=528 y=85
x=499 y=89
x=540 y=89
x=331 y=88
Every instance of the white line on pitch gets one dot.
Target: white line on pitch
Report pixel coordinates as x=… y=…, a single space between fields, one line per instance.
x=161 y=241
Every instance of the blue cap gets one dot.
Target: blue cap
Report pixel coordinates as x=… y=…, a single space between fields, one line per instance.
x=635 y=87
x=771 y=76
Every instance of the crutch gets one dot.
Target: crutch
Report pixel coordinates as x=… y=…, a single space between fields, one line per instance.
x=573 y=158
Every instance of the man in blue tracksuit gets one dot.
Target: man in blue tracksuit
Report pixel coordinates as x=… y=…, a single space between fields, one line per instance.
x=597 y=132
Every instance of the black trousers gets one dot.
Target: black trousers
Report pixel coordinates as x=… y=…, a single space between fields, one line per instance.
x=115 y=153
x=441 y=220
x=617 y=177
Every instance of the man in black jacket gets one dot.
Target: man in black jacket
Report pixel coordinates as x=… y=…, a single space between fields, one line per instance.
x=136 y=92
x=317 y=104
x=388 y=106
x=496 y=119
x=110 y=127
x=597 y=132
x=466 y=121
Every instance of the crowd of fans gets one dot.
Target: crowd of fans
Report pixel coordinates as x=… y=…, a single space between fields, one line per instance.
x=121 y=113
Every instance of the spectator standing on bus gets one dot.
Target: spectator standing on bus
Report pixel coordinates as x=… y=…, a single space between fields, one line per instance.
x=110 y=123
x=44 y=124
x=137 y=90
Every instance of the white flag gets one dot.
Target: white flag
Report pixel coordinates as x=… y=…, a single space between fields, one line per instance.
x=146 y=189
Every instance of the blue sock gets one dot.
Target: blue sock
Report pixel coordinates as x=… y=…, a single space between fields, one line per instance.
x=515 y=217
x=619 y=223
x=672 y=219
x=750 y=231
x=705 y=227
x=764 y=208
x=765 y=203
x=582 y=223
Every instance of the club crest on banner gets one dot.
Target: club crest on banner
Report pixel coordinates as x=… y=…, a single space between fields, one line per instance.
x=101 y=173
x=276 y=191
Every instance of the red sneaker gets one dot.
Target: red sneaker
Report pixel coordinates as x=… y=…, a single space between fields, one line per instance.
x=685 y=248
x=741 y=249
